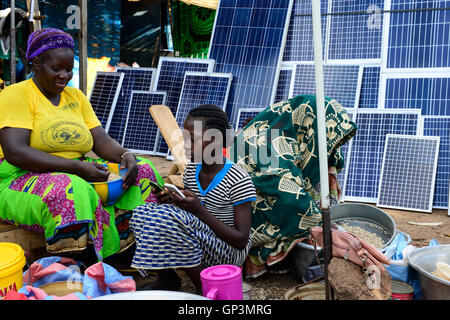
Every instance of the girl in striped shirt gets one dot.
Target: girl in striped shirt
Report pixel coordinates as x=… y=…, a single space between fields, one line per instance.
x=211 y=224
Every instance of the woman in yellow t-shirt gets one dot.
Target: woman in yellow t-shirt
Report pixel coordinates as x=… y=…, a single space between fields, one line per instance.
x=46 y=128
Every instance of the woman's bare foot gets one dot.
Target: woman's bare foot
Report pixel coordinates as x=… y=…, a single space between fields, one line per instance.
x=167 y=280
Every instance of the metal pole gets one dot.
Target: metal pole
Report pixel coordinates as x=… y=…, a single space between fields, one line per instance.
x=82 y=45
x=12 y=50
x=322 y=143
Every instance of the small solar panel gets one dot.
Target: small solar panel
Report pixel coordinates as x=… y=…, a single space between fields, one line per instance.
x=408 y=173
x=431 y=94
x=341 y=82
x=244 y=114
x=418 y=35
x=104 y=95
x=140 y=128
x=440 y=126
x=248 y=42
x=134 y=79
x=367 y=147
x=284 y=83
x=170 y=76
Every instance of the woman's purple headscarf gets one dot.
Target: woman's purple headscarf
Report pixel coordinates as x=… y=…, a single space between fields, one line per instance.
x=46 y=39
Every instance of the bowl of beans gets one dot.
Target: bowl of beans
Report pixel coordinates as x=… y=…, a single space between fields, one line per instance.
x=111 y=190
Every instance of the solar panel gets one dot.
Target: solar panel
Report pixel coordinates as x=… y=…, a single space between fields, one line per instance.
x=299 y=41
x=104 y=95
x=367 y=146
x=440 y=126
x=341 y=82
x=140 y=128
x=355 y=36
x=284 y=83
x=431 y=94
x=170 y=76
x=202 y=88
x=244 y=114
x=419 y=39
x=134 y=79
x=370 y=86
x=408 y=173
x=248 y=42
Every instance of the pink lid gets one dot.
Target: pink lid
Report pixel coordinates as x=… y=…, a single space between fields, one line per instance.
x=220 y=272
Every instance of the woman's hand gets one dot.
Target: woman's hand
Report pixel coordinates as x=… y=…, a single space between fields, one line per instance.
x=93 y=172
x=162 y=196
x=129 y=161
x=190 y=203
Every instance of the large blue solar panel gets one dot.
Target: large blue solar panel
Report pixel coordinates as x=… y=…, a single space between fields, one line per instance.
x=284 y=84
x=432 y=95
x=170 y=76
x=299 y=42
x=355 y=36
x=134 y=79
x=104 y=95
x=340 y=82
x=419 y=39
x=370 y=87
x=248 y=41
x=367 y=148
x=440 y=126
x=408 y=173
x=140 y=128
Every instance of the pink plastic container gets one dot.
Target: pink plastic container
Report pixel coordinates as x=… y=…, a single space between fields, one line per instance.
x=222 y=282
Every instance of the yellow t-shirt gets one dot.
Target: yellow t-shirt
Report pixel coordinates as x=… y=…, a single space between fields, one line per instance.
x=61 y=130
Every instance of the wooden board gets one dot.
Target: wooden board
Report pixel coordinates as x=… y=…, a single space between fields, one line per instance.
x=171 y=132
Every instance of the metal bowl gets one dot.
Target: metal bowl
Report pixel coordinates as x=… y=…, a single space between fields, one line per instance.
x=424 y=260
x=367 y=217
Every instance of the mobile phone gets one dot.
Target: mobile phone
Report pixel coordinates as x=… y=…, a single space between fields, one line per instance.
x=156 y=185
x=174 y=188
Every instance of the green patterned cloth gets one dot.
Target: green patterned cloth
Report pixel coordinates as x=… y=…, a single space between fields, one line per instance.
x=192 y=28
x=279 y=150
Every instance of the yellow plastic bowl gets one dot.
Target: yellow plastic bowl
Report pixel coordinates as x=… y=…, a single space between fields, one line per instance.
x=110 y=191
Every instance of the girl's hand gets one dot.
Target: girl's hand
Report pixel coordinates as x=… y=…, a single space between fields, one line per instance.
x=93 y=172
x=129 y=162
x=190 y=203
x=161 y=196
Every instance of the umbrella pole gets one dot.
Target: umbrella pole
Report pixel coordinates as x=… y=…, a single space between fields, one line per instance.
x=322 y=141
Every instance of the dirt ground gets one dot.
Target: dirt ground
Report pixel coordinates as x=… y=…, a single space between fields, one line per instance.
x=271 y=286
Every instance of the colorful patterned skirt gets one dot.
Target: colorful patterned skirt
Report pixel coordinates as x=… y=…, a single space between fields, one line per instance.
x=68 y=211
x=169 y=237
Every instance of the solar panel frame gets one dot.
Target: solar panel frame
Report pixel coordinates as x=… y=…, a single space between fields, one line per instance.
x=362 y=176
x=440 y=126
x=134 y=79
x=408 y=183
x=105 y=115
x=235 y=42
x=284 y=82
x=172 y=84
x=150 y=128
x=245 y=113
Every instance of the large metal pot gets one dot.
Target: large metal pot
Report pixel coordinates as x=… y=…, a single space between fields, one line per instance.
x=424 y=261
x=365 y=212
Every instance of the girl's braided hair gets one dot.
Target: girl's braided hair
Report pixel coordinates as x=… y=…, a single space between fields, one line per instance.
x=213 y=118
